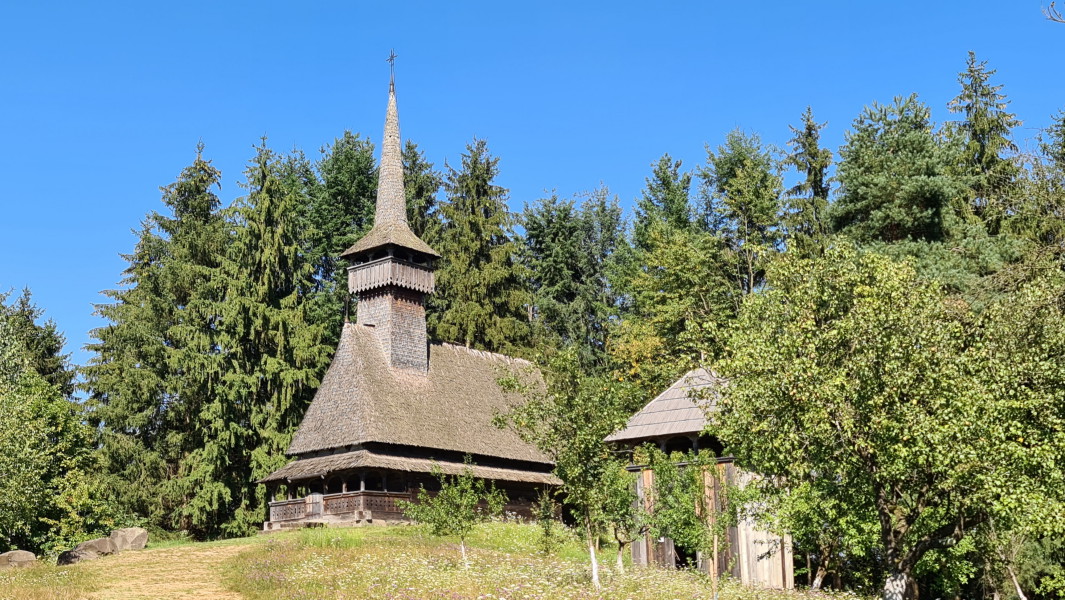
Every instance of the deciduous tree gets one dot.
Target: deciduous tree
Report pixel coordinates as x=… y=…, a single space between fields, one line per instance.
x=462 y=502
x=852 y=368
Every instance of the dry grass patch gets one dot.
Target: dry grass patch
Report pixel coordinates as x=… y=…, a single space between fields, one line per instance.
x=47 y=582
x=176 y=571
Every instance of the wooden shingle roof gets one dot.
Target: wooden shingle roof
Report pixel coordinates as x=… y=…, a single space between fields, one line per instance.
x=680 y=410
x=390 y=225
x=450 y=407
x=356 y=459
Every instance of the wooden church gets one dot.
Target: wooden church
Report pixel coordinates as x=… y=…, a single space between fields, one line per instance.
x=393 y=403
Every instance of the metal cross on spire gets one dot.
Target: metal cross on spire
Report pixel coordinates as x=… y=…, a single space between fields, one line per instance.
x=391 y=60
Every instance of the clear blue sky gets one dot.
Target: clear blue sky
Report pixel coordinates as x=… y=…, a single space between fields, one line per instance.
x=101 y=103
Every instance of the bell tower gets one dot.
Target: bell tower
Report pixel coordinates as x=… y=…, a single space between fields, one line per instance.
x=391 y=268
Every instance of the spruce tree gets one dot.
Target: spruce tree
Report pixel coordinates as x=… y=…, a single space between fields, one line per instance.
x=986 y=134
x=481 y=298
x=271 y=357
x=569 y=251
x=421 y=184
x=807 y=219
x=42 y=342
x=341 y=202
x=342 y=210
x=147 y=380
x=665 y=199
x=1052 y=142
x=897 y=177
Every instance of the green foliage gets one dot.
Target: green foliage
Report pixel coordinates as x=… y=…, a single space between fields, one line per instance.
x=48 y=497
x=1052 y=142
x=481 y=297
x=569 y=251
x=462 y=502
x=340 y=210
x=213 y=350
x=421 y=184
x=146 y=382
x=1037 y=207
x=664 y=201
x=682 y=294
x=985 y=135
x=546 y=512
x=742 y=206
x=820 y=516
x=623 y=515
x=1041 y=566
x=678 y=500
x=42 y=343
x=897 y=177
x=853 y=369
x=271 y=359
x=568 y=419
x=806 y=220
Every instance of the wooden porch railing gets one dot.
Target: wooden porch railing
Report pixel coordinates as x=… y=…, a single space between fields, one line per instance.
x=288 y=510
x=377 y=503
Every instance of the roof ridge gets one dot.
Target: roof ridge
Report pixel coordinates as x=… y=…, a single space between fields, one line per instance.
x=487 y=353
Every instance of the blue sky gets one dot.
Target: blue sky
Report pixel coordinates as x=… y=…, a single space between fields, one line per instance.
x=101 y=103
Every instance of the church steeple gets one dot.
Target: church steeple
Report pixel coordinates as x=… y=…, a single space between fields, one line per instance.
x=390 y=225
x=392 y=268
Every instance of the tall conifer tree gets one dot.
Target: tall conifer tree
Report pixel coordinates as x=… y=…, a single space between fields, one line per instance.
x=145 y=381
x=807 y=219
x=741 y=195
x=1052 y=142
x=481 y=299
x=569 y=251
x=897 y=178
x=272 y=356
x=341 y=208
x=986 y=133
x=665 y=199
x=421 y=184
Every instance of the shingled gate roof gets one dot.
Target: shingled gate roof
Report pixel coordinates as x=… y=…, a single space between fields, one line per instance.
x=674 y=411
x=450 y=407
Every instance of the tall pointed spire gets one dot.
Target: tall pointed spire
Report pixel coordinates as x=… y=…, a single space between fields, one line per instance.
x=390 y=225
x=391 y=201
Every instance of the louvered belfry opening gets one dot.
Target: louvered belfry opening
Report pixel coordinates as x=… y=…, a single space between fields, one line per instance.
x=392 y=268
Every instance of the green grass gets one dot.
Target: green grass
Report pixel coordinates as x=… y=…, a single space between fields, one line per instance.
x=396 y=563
x=405 y=563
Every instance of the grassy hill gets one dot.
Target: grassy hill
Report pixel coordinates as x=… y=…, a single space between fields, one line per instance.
x=371 y=562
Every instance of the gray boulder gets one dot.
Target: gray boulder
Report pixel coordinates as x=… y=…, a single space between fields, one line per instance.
x=17 y=558
x=130 y=538
x=90 y=550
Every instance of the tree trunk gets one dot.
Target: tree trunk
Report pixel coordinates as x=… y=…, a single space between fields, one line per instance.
x=465 y=561
x=899 y=586
x=1016 y=584
x=820 y=577
x=591 y=551
x=621 y=563
x=824 y=555
x=595 y=564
